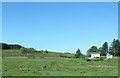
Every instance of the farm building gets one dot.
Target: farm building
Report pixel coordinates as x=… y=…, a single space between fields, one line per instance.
x=94 y=55
x=109 y=56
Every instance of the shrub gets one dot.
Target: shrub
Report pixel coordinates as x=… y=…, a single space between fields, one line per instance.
x=28 y=50
x=31 y=56
x=63 y=55
x=39 y=51
x=88 y=59
x=46 y=51
x=99 y=59
x=78 y=54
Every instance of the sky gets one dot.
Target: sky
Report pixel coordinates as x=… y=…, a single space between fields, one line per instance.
x=59 y=26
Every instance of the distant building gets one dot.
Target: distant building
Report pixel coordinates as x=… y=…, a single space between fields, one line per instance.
x=109 y=56
x=94 y=55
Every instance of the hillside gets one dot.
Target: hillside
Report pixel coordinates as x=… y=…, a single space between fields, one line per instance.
x=31 y=62
x=37 y=54
x=40 y=63
x=10 y=46
x=59 y=67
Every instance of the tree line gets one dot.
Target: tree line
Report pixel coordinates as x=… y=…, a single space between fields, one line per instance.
x=113 y=48
x=10 y=46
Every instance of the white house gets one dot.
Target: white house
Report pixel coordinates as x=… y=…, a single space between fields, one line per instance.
x=94 y=55
x=109 y=56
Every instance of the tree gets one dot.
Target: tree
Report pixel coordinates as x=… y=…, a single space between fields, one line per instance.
x=78 y=54
x=101 y=51
x=46 y=51
x=31 y=50
x=28 y=50
x=4 y=46
x=15 y=46
x=24 y=50
x=118 y=52
x=10 y=46
x=112 y=48
x=93 y=49
x=88 y=53
x=115 y=48
x=104 y=48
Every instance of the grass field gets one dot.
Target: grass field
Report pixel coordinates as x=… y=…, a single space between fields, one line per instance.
x=58 y=67
x=18 y=53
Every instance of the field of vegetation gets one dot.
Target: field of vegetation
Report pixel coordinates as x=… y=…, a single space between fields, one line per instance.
x=52 y=64
x=38 y=54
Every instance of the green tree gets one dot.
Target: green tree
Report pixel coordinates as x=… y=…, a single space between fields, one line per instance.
x=104 y=48
x=78 y=54
x=28 y=50
x=101 y=51
x=24 y=50
x=93 y=49
x=115 y=48
x=4 y=46
x=46 y=51
x=15 y=46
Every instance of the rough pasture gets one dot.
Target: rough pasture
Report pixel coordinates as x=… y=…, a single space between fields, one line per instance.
x=59 y=67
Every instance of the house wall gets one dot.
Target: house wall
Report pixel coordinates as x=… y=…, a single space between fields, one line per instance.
x=95 y=55
x=108 y=56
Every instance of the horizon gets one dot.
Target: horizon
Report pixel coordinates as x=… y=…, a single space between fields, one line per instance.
x=49 y=50
x=60 y=27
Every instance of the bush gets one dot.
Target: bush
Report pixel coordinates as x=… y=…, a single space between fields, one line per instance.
x=39 y=51
x=99 y=59
x=4 y=46
x=88 y=59
x=28 y=50
x=63 y=55
x=78 y=54
x=31 y=56
x=24 y=50
x=46 y=51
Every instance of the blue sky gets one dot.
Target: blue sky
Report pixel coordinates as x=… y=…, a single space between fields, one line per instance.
x=63 y=27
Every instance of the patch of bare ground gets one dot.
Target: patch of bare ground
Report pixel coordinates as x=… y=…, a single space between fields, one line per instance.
x=101 y=66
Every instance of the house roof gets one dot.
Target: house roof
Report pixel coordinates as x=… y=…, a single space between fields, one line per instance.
x=94 y=52
x=109 y=54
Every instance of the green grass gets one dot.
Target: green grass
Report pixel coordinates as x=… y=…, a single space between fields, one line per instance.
x=18 y=53
x=55 y=66
x=59 y=67
x=9 y=53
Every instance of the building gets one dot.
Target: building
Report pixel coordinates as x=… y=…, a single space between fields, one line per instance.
x=94 y=55
x=109 y=56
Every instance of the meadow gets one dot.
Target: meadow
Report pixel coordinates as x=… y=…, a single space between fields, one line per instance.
x=56 y=66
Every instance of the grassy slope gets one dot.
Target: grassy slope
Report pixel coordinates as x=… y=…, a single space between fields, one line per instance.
x=12 y=53
x=56 y=66
x=8 y=53
x=59 y=67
